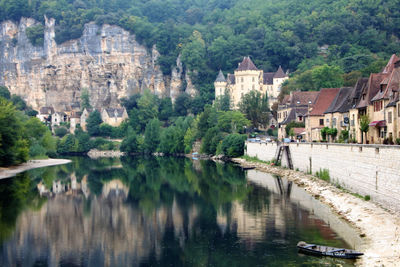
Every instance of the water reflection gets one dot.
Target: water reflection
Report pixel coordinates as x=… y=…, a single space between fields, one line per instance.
x=152 y=212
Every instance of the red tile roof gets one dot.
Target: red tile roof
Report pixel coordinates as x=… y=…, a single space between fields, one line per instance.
x=279 y=73
x=298 y=131
x=390 y=65
x=303 y=98
x=324 y=100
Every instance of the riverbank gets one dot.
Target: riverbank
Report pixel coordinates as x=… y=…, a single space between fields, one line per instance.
x=31 y=164
x=379 y=228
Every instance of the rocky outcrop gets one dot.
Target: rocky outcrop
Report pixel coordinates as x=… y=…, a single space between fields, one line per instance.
x=106 y=60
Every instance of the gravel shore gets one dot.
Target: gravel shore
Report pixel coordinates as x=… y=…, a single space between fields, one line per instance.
x=32 y=164
x=379 y=228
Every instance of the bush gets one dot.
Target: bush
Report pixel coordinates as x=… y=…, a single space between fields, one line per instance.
x=35 y=34
x=233 y=145
x=397 y=141
x=323 y=175
x=60 y=131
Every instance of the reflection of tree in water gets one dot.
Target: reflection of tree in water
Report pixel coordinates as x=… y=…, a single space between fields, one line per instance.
x=170 y=216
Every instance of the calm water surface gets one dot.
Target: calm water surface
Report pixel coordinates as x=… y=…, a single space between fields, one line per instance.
x=155 y=212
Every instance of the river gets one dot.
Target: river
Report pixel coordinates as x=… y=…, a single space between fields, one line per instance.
x=148 y=211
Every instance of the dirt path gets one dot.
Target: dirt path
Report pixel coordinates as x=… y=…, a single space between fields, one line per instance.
x=32 y=164
x=379 y=228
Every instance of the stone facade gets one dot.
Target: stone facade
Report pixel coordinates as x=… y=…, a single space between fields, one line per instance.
x=114 y=116
x=248 y=77
x=364 y=169
x=106 y=60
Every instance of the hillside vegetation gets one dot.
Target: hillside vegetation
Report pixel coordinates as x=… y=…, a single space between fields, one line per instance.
x=216 y=34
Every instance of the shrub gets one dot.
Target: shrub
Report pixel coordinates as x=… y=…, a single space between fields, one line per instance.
x=35 y=34
x=323 y=175
x=367 y=198
x=60 y=131
x=397 y=141
x=233 y=145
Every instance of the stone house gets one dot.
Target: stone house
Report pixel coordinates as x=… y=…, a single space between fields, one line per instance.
x=354 y=127
x=74 y=120
x=45 y=113
x=84 y=116
x=248 y=77
x=58 y=117
x=294 y=107
x=315 y=120
x=114 y=116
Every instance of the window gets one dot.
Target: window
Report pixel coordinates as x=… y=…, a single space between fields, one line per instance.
x=253 y=79
x=390 y=117
x=253 y=87
x=327 y=121
x=300 y=118
x=334 y=122
x=242 y=79
x=321 y=122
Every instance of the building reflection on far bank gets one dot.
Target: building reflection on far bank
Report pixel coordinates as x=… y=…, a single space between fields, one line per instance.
x=131 y=214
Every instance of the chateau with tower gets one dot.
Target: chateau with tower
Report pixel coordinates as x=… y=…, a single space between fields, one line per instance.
x=248 y=77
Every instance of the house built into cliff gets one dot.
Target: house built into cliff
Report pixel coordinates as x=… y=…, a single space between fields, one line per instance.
x=114 y=116
x=248 y=77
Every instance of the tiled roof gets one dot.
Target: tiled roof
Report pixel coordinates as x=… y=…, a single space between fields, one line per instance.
x=390 y=65
x=356 y=93
x=285 y=100
x=294 y=112
x=115 y=112
x=346 y=104
x=340 y=103
x=246 y=64
x=371 y=89
x=279 y=73
x=220 y=77
x=298 y=131
x=268 y=77
x=46 y=110
x=303 y=98
x=393 y=100
x=324 y=100
x=231 y=78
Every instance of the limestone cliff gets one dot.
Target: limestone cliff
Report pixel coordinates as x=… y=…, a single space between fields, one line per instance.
x=106 y=60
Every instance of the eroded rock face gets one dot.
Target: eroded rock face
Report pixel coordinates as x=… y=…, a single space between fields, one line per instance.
x=106 y=60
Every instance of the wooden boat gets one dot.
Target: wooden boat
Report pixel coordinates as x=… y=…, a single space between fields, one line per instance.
x=318 y=250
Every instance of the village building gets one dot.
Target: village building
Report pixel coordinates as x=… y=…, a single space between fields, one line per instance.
x=374 y=100
x=336 y=116
x=74 y=121
x=84 y=116
x=45 y=113
x=294 y=107
x=58 y=117
x=315 y=119
x=114 y=116
x=248 y=77
x=384 y=116
x=354 y=127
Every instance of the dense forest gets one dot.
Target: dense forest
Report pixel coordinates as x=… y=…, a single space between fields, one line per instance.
x=216 y=34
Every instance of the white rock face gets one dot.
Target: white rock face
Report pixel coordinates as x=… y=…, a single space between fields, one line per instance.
x=106 y=60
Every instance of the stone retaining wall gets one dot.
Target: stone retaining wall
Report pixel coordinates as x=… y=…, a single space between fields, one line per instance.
x=372 y=170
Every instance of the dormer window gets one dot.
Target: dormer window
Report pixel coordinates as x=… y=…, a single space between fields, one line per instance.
x=298 y=102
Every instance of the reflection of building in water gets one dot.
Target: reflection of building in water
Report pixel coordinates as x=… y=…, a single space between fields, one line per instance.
x=115 y=189
x=108 y=233
x=59 y=187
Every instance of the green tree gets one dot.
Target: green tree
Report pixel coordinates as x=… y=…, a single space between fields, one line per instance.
x=223 y=102
x=85 y=99
x=152 y=136
x=182 y=104
x=93 y=123
x=232 y=122
x=4 y=92
x=194 y=52
x=166 y=109
x=364 y=127
x=255 y=107
x=130 y=144
x=35 y=34
x=233 y=145
x=13 y=148
x=326 y=76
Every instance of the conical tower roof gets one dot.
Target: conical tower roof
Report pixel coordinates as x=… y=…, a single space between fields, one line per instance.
x=246 y=64
x=220 y=77
x=279 y=73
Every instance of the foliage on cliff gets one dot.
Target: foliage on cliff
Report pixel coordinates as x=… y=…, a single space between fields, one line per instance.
x=212 y=35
